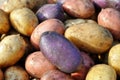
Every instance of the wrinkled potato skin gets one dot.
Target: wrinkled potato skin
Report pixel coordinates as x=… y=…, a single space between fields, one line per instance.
x=4 y=22
x=12 y=48
x=90 y=37
x=9 y=5
x=114 y=57
x=24 y=20
x=16 y=73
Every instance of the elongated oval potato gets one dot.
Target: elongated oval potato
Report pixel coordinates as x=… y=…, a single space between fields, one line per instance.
x=101 y=72
x=16 y=73
x=24 y=20
x=90 y=37
x=12 y=48
x=60 y=51
x=114 y=57
x=4 y=22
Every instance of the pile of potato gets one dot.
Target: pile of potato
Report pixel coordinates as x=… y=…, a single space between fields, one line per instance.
x=59 y=40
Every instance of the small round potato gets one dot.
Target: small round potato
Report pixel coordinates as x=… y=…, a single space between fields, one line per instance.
x=90 y=37
x=12 y=48
x=24 y=20
x=16 y=73
x=101 y=72
x=114 y=57
x=4 y=22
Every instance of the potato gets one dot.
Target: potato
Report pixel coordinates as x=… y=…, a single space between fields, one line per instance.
x=10 y=5
x=114 y=57
x=55 y=75
x=36 y=64
x=71 y=22
x=24 y=20
x=47 y=25
x=80 y=8
x=4 y=22
x=1 y=75
x=101 y=72
x=90 y=37
x=60 y=51
x=16 y=73
x=12 y=48
x=109 y=18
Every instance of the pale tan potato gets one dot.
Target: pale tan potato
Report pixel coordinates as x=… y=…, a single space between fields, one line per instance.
x=4 y=22
x=101 y=72
x=24 y=20
x=9 y=5
x=16 y=73
x=114 y=57
x=1 y=75
x=90 y=37
x=12 y=48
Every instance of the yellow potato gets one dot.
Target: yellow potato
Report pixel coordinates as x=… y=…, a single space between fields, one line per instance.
x=101 y=72
x=114 y=57
x=24 y=20
x=12 y=48
x=4 y=22
x=9 y=5
x=90 y=37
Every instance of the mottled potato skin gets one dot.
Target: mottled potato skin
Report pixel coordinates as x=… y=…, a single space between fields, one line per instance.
x=16 y=73
x=47 y=25
x=55 y=75
x=10 y=5
x=60 y=51
x=114 y=57
x=12 y=48
x=24 y=21
x=109 y=18
x=101 y=72
x=36 y=64
x=80 y=8
x=90 y=37
x=4 y=22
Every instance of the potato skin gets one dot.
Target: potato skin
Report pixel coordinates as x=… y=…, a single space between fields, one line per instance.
x=60 y=51
x=1 y=75
x=55 y=75
x=90 y=37
x=24 y=21
x=12 y=48
x=36 y=64
x=47 y=25
x=101 y=72
x=114 y=57
x=16 y=73
x=80 y=8
x=109 y=18
x=4 y=22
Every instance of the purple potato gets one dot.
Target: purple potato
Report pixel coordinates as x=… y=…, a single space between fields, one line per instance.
x=60 y=51
x=49 y=11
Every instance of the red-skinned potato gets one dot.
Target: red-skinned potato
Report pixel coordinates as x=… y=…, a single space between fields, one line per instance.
x=109 y=18
x=55 y=75
x=1 y=75
x=16 y=73
x=47 y=25
x=80 y=8
x=36 y=64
